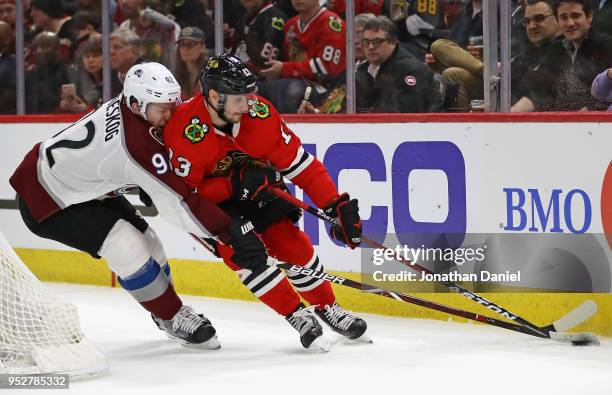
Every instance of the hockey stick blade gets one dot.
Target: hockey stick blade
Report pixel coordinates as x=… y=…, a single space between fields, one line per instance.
x=575 y=317
x=575 y=339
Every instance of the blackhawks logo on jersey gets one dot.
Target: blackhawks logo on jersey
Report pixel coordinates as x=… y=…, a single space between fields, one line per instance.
x=212 y=63
x=278 y=23
x=335 y=24
x=195 y=131
x=259 y=110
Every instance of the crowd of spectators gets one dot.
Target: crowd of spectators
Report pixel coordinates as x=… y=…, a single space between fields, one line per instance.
x=411 y=55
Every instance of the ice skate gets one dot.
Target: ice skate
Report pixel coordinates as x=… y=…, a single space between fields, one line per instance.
x=190 y=329
x=311 y=332
x=344 y=322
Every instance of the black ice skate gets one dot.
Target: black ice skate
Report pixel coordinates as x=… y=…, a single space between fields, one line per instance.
x=343 y=322
x=190 y=329
x=311 y=332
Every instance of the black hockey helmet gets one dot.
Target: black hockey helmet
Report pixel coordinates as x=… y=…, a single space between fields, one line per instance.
x=227 y=74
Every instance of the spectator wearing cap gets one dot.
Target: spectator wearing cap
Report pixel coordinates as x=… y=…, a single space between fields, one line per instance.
x=49 y=16
x=45 y=79
x=190 y=59
x=392 y=79
x=602 y=87
x=124 y=47
x=8 y=82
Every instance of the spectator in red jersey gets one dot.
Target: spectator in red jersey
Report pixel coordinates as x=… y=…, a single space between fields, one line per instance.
x=314 y=55
x=190 y=60
x=336 y=100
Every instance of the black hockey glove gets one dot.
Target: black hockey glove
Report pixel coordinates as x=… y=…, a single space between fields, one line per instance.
x=249 y=251
x=250 y=183
x=348 y=227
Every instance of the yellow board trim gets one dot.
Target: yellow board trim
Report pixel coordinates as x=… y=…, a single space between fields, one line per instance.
x=216 y=280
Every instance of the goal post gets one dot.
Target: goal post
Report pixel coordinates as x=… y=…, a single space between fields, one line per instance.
x=40 y=334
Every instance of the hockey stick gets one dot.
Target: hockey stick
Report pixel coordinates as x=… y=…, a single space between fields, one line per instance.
x=574 y=338
x=575 y=317
x=578 y=339
x=383 y=292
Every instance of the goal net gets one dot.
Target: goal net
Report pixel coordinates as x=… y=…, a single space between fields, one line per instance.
x=39 y=334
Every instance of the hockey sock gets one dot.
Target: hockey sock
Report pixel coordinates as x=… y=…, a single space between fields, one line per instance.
x=288 y=243
x=313 y=290
x=152 y=288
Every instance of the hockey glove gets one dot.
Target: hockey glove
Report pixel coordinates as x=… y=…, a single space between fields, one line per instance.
x=348 y=227
x=249 y=251
x=250 y=183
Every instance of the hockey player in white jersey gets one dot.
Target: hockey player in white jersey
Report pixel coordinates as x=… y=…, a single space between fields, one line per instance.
x=70 y=187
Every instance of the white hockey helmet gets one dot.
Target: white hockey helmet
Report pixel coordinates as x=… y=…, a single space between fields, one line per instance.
x=150 y=83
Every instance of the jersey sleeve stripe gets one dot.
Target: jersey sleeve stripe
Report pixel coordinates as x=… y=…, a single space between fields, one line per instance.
x=321 y=66
x=299 y=165
x=313 y=67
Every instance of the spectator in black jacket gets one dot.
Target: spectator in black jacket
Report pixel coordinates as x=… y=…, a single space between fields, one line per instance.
x=542 y=29
x=44 y=81
x=392 y=79
x=602 y=17
x=563 y=82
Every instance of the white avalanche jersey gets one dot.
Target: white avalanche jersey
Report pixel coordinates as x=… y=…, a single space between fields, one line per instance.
x=110 y=151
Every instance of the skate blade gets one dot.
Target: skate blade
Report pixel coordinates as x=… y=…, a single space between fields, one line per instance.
x=364 y=338
x=321 y=344
x=211 y=344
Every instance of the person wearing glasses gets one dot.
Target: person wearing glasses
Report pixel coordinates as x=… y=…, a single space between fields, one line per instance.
x=563 y=82
x=542 y=29
x=392 y=79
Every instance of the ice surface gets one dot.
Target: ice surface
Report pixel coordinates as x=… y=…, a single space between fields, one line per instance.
x=261 y=354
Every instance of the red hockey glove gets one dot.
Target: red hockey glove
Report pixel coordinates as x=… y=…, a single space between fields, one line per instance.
x=348 y=227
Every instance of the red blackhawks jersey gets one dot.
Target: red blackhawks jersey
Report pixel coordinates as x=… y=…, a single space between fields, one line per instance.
x=316 y=49
x=196 y=146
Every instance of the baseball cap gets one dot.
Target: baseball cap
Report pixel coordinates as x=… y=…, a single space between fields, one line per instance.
x=191 y=33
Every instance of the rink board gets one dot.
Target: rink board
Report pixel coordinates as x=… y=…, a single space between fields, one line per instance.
x=410 y=175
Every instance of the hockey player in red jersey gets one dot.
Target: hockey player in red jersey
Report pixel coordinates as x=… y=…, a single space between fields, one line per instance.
x=215 y=137
x=69 y=189
x=314 y=54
